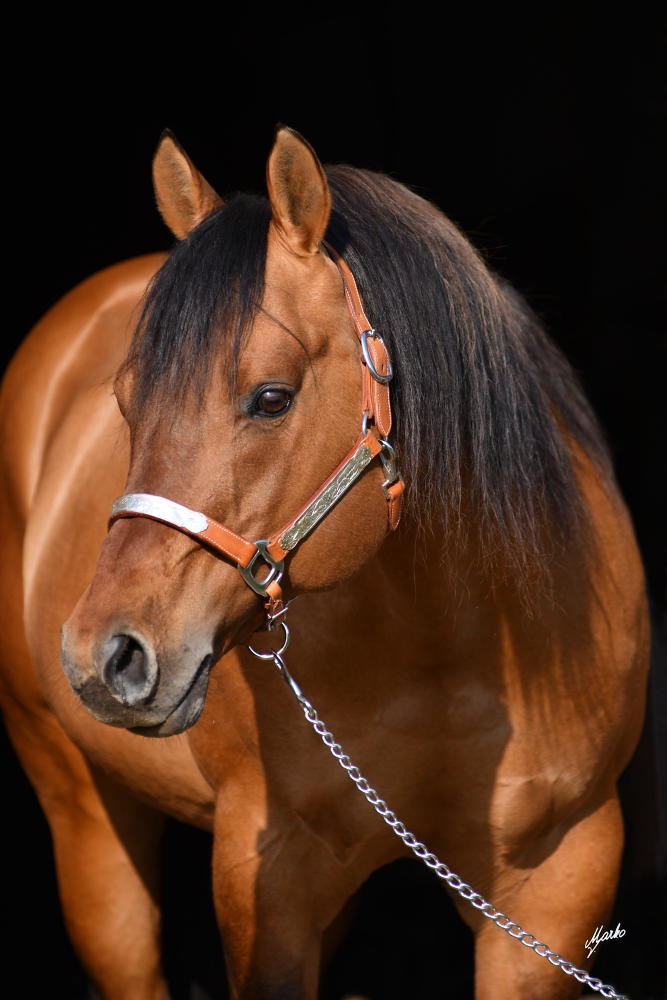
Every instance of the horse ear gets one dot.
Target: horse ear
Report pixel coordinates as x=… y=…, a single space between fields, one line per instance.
x=183 y=196
x=298 y=190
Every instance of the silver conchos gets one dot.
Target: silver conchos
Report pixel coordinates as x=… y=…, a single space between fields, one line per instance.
x=162 y=509
x=338 y=486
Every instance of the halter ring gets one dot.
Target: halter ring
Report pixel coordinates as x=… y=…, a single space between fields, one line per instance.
x=276 y=569
x=274 y=652
x=383 y=379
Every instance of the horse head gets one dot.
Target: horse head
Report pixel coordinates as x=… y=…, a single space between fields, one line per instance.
x=242 y=391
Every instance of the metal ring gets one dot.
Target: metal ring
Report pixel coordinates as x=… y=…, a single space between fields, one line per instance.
x=388 y=459
x=274 y=652
x=383 y=379
x=276 y=569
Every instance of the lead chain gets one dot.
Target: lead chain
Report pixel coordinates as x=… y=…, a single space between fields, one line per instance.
x=422 y=852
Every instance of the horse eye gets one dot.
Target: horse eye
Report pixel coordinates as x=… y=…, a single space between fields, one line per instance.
x=272 y=402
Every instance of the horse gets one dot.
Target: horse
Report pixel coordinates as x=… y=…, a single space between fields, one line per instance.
x=483 y=662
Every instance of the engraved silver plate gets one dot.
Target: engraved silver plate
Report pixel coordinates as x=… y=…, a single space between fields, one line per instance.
x=322 y=504
x=160 y=507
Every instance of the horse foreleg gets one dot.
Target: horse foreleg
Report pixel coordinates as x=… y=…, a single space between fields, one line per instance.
x=277 y=893
x=106 y=848
x=560 y=899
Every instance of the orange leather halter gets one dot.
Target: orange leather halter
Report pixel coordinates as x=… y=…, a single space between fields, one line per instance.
x=376 y=373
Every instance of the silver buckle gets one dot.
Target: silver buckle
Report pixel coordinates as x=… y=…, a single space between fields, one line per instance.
x=388 y=458
x=276 y=569
x=383 y=379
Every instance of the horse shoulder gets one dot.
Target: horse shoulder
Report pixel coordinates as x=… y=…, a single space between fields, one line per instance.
x=575 y=673
x=618 y=607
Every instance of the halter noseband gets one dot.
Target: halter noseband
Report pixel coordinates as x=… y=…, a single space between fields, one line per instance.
x=377 y=373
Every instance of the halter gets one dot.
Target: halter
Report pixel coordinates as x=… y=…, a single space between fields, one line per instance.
x=376 y=374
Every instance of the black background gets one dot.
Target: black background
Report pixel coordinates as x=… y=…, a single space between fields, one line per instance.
x=540 y=132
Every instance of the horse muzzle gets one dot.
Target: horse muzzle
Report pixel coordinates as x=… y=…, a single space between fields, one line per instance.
x=123 y=683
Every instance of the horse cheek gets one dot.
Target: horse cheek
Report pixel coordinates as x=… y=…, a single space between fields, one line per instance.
x=345 y=540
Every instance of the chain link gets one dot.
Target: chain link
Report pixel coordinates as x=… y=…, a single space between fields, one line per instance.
x=422 y=852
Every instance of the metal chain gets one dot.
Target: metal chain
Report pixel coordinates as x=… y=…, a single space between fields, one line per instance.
x=420 y=850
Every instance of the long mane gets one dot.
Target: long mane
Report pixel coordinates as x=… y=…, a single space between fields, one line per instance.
x=487 y=409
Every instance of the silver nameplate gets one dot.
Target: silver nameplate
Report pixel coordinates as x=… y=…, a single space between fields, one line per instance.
x=338 y=486
x=160 y=507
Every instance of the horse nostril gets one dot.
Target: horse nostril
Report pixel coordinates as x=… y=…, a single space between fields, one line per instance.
x=128 y=672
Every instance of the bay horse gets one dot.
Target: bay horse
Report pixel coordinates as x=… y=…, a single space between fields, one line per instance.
x=484 y=664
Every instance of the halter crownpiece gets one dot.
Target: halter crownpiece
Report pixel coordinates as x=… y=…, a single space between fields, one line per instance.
x=376 y=373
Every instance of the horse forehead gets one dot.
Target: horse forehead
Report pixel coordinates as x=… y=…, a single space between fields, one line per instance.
x=303 y=291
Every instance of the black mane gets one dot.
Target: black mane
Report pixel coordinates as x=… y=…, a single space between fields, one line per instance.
x=485 y=405
x=211 y=281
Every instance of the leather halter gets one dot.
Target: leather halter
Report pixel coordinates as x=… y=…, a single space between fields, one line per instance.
x=376 y=373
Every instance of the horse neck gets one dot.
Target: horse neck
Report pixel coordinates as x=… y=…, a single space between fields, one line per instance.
x=418 y=582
